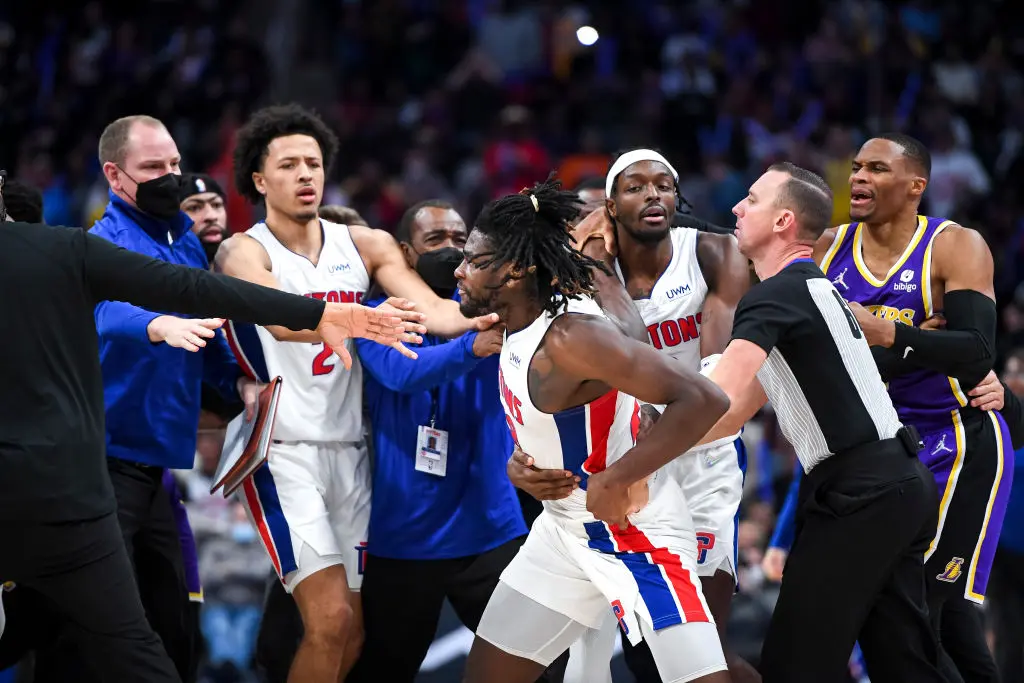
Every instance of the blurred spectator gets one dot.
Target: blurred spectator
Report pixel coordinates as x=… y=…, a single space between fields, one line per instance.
x=591 y=191
x=342 y=215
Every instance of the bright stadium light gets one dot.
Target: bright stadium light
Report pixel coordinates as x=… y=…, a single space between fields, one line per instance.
x=587 y=35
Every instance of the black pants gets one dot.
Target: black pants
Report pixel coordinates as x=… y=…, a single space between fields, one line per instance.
x=79 y=573
x=467 y=582
x=1005 y=602
x=150 y=535
x=856 y=572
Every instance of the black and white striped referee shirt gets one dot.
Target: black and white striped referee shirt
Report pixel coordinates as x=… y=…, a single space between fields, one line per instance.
x=819 y=375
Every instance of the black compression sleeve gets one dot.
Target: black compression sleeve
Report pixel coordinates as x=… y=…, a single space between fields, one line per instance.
x=116 y=274
x=965 y=349
x=890 y=365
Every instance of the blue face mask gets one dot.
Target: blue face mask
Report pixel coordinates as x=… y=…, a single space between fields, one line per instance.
x=242 y=532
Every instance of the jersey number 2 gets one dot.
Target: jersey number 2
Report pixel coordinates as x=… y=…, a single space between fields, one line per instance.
x=850 y=318
x=320 y=366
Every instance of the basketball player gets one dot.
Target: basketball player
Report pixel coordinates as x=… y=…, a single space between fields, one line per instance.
x=686 y=285
x=903 y=268
x=311 y=503
x=568 y=376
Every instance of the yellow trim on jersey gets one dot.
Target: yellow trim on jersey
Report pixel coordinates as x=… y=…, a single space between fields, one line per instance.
x=968 y=593
x=958 y=392
x=926 y=272
x=954 y=476
x=858 y=258
x=833 y=248
x=195 y=597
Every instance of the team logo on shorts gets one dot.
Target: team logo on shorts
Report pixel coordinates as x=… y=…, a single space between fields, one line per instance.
x=954 y=568
x=361 y=561
x=705 y=542
x=620 y=614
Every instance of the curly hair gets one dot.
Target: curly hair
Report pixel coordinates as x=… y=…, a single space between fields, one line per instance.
x=265 y=126
x=530 y=230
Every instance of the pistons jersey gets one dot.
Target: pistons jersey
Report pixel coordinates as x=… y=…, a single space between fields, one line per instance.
x=583 y=440
x=672 y=312
x=925 y=399
x=321 y=401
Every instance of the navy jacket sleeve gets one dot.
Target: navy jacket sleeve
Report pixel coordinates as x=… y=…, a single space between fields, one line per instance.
x=785 y=526
x=220 y=369
x=435 y=366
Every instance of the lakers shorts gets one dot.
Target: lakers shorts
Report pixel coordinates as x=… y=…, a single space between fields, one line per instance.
x=972 y=463
x=310 y=504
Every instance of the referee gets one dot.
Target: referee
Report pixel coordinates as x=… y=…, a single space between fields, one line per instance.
x=58 y=527
x=867 y=507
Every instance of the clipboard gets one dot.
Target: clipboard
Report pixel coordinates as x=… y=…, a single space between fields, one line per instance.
x=247 y=442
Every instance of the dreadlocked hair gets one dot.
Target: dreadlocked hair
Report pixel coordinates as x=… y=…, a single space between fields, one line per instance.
x=530 y=230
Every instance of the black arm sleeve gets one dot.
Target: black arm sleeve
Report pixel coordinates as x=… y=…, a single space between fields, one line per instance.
x=965 y=349
x=1013 y=414
x=116 y=274
x=890 y=365
x=688 y=220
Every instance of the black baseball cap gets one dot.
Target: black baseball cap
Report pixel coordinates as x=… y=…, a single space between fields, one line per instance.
x=198 y=183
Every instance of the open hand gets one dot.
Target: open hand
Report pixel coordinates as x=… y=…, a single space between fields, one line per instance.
x=540 y=484
x=597 y=225
x=249 y=390
x=390 y=324
x=488 y=342
x=773 y=563
x=183 y=333
x=988 y=395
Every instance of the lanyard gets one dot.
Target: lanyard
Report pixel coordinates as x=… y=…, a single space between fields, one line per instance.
x=434 y=395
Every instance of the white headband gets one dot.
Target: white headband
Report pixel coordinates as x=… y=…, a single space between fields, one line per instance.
x=630 y=158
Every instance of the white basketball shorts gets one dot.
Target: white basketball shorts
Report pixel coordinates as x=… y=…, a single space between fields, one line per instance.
x=310 y=504
x=712 y=483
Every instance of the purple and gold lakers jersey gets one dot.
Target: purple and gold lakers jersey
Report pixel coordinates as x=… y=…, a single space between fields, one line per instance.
x=924 y=399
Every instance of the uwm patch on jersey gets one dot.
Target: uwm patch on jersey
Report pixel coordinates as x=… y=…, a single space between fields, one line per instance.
x=672 y=313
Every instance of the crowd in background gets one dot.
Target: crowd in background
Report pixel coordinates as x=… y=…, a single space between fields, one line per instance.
x=468 y=99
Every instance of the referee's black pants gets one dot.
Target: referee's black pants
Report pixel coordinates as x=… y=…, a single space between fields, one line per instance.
x=153 y=543
x=402 y=602
x=856 y=572
x=79 y=573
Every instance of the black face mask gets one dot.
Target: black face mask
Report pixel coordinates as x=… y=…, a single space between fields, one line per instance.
x=437 y=268
x=159 y=197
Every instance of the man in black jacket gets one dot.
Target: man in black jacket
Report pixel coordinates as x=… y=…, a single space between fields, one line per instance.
x=57 y=510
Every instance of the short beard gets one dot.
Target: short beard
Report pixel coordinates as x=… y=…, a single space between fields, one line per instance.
x=646 y=237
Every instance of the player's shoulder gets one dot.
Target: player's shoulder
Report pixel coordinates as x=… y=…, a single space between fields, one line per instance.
x=579 y=327
x=240 y=246
x=956 y=241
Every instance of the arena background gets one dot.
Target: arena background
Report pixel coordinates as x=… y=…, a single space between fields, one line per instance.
x=469 y=99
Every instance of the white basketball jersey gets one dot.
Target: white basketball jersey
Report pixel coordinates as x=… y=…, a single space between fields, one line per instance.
x=672 y=312
x=321 y=401
x=583 y=440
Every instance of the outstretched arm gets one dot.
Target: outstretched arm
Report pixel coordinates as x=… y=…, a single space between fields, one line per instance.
x=389 y=268
x=116 y=274
x=593 y=349
x=243 y=257
x=727 y=274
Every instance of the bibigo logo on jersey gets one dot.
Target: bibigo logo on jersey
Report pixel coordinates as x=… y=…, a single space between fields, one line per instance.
x=905 y=284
